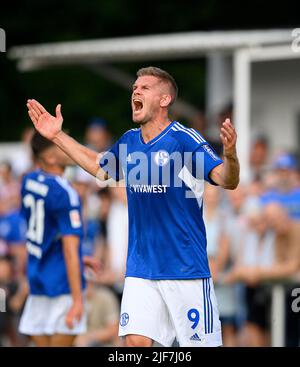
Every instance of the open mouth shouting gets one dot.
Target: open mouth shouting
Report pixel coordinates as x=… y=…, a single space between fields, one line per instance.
x=137 y=105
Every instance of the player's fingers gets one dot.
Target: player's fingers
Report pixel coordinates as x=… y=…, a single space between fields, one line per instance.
x=230 y=131
x=69 y=322
x=92 y=263
x=32 y=117
x=38 y=106
x=223 y=139
x=58 y=111
x=78 y=318
x=228 y=125
x=96 y=267
x=33 y=112
x=228 y=122
x=228 y=128
x=33 y=106
x=227 y=134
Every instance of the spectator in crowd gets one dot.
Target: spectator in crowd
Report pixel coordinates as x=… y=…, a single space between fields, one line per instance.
x=9 y=189
x=23 y=161
x=102 y=318
x=105 y=197
x=117 y=240
x=286 y=262
x=259 y=156
x=236 y=225
x=236 y=221
x=12 y=225
x=219 y=260
x=253 y=242
x=277 y=260
x=214 y=218
x=7 y=289
x=97 y=135
x=256 y=250
x=91 y=215
x=286 y=266
x=198 y=122
x=12 y=237
x=214 y=125
x=16 y=291
x=285 y=188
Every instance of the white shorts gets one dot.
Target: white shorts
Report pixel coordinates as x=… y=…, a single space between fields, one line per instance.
x=164 y=309
x=44 y=315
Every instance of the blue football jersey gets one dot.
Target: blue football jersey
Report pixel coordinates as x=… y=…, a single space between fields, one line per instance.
x=91 y=232
x=13 y=228
x=289 y=200
x=164 y=181
x=52 y=209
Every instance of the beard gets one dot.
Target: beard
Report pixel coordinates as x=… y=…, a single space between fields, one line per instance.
x=139 y=122
x=141 y=119
x=145 y=115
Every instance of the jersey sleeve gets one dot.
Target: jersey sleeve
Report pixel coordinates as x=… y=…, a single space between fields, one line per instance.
x=67 y=212
x=17 y=232
x=110 y=162
x=204 y=160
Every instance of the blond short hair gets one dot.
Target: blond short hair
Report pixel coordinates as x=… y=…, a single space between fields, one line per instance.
x=163 y=76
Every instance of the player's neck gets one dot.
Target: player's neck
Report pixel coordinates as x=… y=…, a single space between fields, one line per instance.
x=154 y=127
x=53 y=170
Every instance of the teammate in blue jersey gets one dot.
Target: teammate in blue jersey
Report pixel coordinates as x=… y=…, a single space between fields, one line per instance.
x=12 y=228
x=168 y=289
x=54 y=310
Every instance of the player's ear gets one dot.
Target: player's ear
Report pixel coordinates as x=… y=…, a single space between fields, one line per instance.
x=165 y=100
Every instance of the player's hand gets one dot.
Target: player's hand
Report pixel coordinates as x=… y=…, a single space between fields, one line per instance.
x=237 y=274
x=74 y=314
x=47 y=125
x=93 y=264
x=228 y=137
x=230 y=278
x=252 y=276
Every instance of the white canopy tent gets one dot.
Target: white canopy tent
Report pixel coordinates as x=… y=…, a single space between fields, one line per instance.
x=229 y=55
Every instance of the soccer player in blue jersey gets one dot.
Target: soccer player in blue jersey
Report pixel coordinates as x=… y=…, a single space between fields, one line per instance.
x=54 y=311
x=168 y=289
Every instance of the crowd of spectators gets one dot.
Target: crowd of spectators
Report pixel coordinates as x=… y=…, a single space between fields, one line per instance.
x=253 y=236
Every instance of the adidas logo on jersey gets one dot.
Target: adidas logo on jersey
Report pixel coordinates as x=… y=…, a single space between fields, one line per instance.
x=196 y=337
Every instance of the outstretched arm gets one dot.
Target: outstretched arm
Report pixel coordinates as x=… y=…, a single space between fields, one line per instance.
x=70 y=250
x=51 y=128
x=227 y=174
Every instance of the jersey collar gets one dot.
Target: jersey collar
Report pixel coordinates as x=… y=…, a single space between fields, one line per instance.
x=158 y=137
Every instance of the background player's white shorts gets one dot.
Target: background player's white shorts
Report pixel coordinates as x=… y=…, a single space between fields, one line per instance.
x=46 y=316
x=165 y=309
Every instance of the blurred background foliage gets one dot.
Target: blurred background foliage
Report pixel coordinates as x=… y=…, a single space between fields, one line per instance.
x=84 y=94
